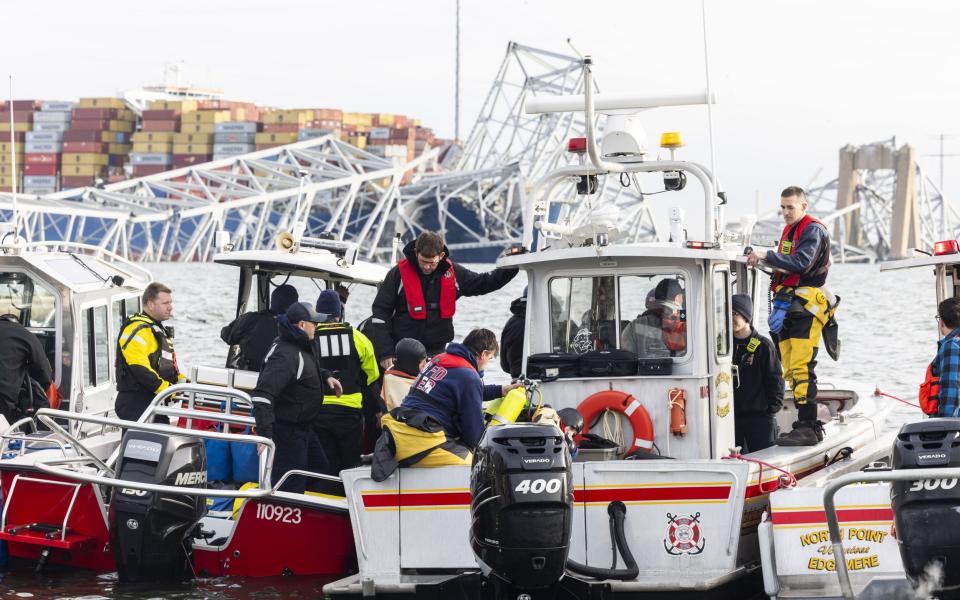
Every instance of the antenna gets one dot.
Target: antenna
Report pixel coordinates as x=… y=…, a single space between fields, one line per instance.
x=706 y=68
x=456 y=91
x=13 y=167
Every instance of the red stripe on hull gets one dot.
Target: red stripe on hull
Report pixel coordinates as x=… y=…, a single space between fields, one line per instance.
x=819 y=517
x=652 y=494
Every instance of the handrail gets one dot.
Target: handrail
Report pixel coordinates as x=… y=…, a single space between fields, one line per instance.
x=833 y=524
x=47 y=416
x=132 y=267
x=191 y=390
x=309 y=474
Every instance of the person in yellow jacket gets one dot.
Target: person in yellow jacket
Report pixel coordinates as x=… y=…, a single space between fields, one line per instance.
x=349 y=355
x=146 y=363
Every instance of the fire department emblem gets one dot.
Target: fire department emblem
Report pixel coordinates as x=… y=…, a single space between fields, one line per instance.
x=684 y=535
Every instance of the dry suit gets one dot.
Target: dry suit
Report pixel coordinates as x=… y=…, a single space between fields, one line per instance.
x=146 y=364
x=801 y=307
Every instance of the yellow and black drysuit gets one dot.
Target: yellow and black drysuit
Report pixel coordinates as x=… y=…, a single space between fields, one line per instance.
x=801 y=307
x=146 y=364
x=349 y=356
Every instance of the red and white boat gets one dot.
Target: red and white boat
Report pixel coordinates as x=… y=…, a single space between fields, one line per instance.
x=61 y=488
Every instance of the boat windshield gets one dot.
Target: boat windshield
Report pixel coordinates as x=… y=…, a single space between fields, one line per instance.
x=644 y=314
x=30 y=302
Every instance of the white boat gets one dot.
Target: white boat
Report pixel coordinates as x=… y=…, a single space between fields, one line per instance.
x=693 y=507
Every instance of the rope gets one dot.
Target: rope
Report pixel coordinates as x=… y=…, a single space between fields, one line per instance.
x=786 y=480
x=877 y=392
x=616 y=437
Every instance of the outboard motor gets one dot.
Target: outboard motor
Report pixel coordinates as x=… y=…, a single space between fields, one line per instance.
x=926 y=512
x=521 y=507
x=151 y=532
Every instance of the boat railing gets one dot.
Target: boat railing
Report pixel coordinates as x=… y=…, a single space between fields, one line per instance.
x=876 y=476
x=15 y=433
x=129 y=266
x=105 y=475
x=308 y=475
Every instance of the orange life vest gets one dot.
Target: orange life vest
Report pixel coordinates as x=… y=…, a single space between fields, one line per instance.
x=930 y=392
x=413 y=291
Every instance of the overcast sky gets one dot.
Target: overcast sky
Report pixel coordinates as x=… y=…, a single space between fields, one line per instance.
x=796 y=80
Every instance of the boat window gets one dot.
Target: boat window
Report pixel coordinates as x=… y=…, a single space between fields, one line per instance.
x=645 y=314
x=28 y=300
x=122 y=309
x=721 y=310
x=96 y=346
x=654 y=309
x=81 y=270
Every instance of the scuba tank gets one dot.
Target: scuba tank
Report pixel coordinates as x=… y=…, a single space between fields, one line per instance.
x=507 y=409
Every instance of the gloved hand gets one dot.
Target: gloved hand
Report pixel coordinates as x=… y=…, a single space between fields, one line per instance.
x=778 y=312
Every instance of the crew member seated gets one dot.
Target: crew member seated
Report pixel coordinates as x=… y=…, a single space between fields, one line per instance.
x=441 y=420
x=411 y=358
x=661 y=330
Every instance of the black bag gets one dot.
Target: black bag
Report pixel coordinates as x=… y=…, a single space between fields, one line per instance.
x=608 y=363
x=547 y=367
x=655 y=366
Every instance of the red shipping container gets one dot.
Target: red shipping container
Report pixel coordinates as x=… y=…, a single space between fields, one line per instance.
x=75 y=181
x=19 y=116
x=171 y=125
x=94 y=113
x=34 y=169
x=26 y=104
x=143 y=170
x=81 y=136
x=267 y=146
x=42 y=159
x=160 y=115
x=96 y=147
x=89 y=125
x=280 y=127
x=18 y=136
x=189 y=160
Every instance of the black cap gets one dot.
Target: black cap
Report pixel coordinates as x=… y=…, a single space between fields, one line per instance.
x=743 y=304
x=302 y=311
x=409 y=352
x=282 y=298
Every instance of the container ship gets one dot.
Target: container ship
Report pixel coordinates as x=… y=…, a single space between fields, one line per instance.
x=52 y=145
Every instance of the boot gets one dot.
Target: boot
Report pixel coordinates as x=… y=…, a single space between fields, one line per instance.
x=804 y=433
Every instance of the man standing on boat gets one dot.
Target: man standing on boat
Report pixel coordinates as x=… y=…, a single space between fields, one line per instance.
x=418 y=297
x=146 y=363
x=348 y=354
x=801 y=308
x=758 y=395
x=286 y=401
x=254 y=332
x=946 y=366
x=21 y=359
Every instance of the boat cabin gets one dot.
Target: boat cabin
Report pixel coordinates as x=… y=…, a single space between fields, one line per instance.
x=73 y=297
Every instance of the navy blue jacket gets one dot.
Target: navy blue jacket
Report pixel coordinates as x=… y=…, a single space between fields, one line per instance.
x=451 y=390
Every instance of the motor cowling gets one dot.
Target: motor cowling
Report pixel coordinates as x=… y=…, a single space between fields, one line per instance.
x=926 y=512
x=151 y=533
x=521 y=505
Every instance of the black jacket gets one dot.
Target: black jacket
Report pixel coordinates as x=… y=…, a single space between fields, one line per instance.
x=760 y=388
x=291 y=384
x=511 y=338
x=391 y=317
x=254 y=332
x=20 y=353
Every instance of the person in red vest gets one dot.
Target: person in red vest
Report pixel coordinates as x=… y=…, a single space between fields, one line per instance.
x=418 y=297
x=801 y=308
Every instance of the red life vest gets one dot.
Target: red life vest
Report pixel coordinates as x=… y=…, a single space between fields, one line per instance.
x=788 y=245
x=930 y=392
x=413 y=290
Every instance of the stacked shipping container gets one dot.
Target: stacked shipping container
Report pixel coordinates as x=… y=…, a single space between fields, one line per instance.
x=62 y=143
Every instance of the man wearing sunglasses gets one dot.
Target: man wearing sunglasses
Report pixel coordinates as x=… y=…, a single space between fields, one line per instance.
x=418 y=297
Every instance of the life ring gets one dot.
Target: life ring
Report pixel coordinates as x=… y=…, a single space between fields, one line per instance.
x=626 y=405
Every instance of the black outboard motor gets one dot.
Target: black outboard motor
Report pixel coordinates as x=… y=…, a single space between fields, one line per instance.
x=151 y=533
x=521 y=507
x=926 y=512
